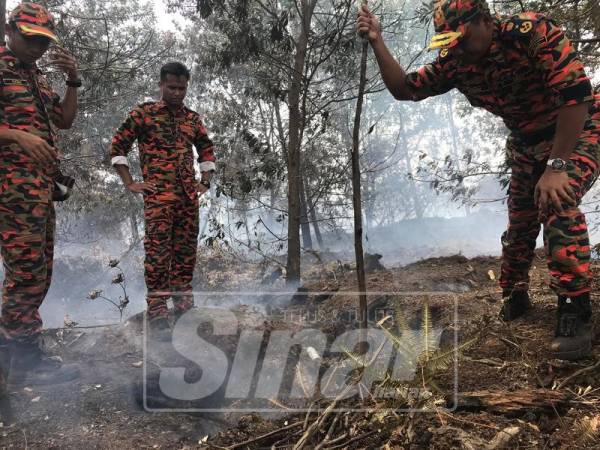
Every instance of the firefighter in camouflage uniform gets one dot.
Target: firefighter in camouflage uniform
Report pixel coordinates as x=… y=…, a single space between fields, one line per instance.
x=166 y=132
x=525 y=70
x=30 y=113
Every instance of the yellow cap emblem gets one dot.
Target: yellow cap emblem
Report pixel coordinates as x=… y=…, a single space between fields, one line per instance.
x=526 y=27
x=444 y=40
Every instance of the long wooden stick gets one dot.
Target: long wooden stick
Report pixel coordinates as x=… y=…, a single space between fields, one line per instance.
x=2 y=21
x=356 y=194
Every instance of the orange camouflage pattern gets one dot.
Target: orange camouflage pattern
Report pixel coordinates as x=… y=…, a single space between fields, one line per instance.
x=530 y=72
x=32 y=19
x=565 y=235
x=170 y=244
x=22 y=179
x=450 y=15
x=26 y=210
x=450 y=18
x=165 y=143
x=27 y=250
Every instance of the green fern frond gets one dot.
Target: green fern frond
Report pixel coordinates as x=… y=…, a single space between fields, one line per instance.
x=401 y=322
x=357 y=359
x=442 y=359
x=403 y=344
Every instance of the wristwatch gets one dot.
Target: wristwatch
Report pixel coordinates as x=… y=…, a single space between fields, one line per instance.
x=74 y=83
x=557 y=164
x=205 y=183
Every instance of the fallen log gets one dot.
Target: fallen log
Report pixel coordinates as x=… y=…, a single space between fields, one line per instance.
x=510 y=403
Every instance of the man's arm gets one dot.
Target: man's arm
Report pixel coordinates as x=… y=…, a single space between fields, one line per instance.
x=67 y=108
x=564 y=73
x=120 y=146
x=431 y=79
x=206 y=156
x=392 y=73
x=569 y=125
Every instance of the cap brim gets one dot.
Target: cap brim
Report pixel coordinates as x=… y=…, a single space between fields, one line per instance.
x=29 y=29
x=444 y=40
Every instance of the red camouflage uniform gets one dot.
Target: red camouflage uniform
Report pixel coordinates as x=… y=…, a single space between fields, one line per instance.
x=165 y=141
x=27 y=218
x=531 y=71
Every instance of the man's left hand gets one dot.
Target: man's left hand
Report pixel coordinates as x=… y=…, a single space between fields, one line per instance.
x=201 y=189
x=553 y=189
x=64 y=61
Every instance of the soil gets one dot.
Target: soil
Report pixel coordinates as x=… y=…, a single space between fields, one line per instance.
x=102 y=408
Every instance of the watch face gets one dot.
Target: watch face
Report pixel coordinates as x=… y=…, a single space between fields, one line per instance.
x=558 y=164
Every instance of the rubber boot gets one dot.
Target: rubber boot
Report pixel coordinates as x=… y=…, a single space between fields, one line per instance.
x=159 y=329
x=6 y=413
x=514 y=304
x=573 y=335
x=31 y=366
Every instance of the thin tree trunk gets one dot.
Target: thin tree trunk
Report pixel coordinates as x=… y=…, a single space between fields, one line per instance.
x=295 y=121
x=304 y=224
x=133 y=223
x=313 y=217
x=455 y=151
x=356 y=194
x=3 y=21
x=416 y=201
x=208 y=215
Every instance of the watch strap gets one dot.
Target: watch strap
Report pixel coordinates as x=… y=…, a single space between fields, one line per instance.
x=74 y=83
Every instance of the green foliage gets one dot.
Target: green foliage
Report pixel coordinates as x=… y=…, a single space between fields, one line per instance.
x=416 y=158
x=421 y=346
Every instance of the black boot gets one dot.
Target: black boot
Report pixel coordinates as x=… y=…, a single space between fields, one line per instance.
x=6 y=414
x=159 y=329
x=573 y=328
x=30 y=365
x=514 y=304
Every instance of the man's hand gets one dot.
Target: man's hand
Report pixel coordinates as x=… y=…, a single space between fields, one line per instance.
x=64 y=61
x=552 y=190
x=37 y=148
x=368 y=25
x=201 y=189
x=141 y=188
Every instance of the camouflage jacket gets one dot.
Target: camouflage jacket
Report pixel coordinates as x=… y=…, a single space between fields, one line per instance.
x=531 y=71
x=22 y=179
x=165 y=142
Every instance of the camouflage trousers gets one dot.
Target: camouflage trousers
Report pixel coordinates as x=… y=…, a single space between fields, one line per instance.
x=566 y=237
x=27 y=249
x=170 y=242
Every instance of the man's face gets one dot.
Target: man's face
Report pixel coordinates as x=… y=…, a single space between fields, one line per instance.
x=27 y=49
x=173 y=89
x=475 y=44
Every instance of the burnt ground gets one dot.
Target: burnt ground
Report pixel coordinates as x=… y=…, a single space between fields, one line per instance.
x=538 y=401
